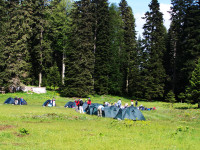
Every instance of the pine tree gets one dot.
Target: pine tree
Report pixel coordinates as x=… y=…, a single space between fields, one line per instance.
x=129 y=65
x=193 y=92
x=170 y=98
x=154 y=43
x=115 y=42
x=2 y=35
x=80 y=57
x=40 y=44
x=178 y=12
x=170 y=60
x=137 y=87
x=15 y=69
x=101 y=68
x=53 y=76
x=190 y=42
x=59 y=22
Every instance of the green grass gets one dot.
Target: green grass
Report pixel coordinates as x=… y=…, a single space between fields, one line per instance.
x=59 y=128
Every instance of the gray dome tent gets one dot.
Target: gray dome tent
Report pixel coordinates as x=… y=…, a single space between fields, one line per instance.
x=129 y=113
x=70 y=104
x=111 y=111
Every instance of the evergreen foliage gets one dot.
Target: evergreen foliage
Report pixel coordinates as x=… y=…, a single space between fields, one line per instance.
x=80 y=58
x=115 y=41
x=91 y=48
x=15 y=53
x=170 y=97
x=40 y=44
x=154 y=43
x=53 y=76
x=101 y=33
x=128 y=48
x=178 y=12
x=60 y=28
x=193 y=90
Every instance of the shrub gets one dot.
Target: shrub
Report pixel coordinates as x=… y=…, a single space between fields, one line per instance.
x=23 y=131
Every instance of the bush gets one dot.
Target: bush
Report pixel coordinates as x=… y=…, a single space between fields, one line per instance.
x=23 y=131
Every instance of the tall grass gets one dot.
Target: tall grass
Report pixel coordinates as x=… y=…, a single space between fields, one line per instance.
x=58 y=128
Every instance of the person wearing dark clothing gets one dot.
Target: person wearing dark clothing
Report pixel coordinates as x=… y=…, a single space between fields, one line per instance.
x=81 y=106
x=16 y=100
x=136 y=103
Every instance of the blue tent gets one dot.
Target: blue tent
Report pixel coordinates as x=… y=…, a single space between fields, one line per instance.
x=129 y=113
x=10 y=100
x=111 y=111
x=48 y=103
x=70 y=104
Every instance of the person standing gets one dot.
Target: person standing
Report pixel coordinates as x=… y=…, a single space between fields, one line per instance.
x=16 y=101
x=81 y=106
x=88 y=104
x=131 y=102
x=136 y=103
x=54 y=101
x=77 y=105
x=21 y=101
x=119 y=103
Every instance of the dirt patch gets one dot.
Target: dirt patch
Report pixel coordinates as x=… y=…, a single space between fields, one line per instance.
x=5 y=127
x=16 y=144
x=19 y=135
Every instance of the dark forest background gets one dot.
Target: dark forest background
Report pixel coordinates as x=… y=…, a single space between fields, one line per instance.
x=89 y=47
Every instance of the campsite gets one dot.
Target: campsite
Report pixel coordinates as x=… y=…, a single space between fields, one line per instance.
x=32 y=126
x=99 y=74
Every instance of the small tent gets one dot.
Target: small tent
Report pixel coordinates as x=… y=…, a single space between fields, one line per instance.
x=70 y=104
x=10 y=100
x=111 y=111
x=48 y=103
x=129 y=113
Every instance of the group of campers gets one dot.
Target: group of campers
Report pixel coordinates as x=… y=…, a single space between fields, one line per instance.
x=79 y=105
x=116 y=104
x=82 y=108
x=18 y=101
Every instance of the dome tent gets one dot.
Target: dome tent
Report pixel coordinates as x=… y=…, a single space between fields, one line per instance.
x=48 y=102
x=70 y=104
x=10 y=100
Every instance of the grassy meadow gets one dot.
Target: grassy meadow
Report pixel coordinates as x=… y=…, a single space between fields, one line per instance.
x=34 y=127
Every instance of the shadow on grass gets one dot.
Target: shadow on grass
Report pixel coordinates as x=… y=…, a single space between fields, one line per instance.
x=184 y=108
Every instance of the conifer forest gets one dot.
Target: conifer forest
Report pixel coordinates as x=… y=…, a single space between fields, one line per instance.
x=88 y=47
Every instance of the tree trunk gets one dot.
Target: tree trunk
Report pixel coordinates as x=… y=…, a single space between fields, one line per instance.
x=198 y=104
x=174 y=68
x=40 y=74
x=63 y=68
x=40 y=79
